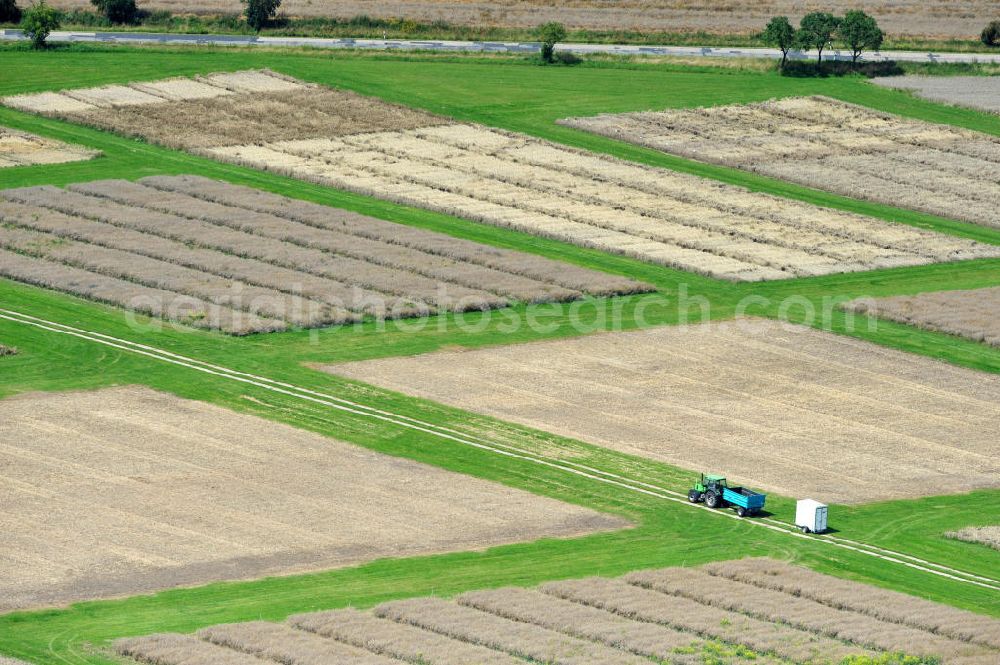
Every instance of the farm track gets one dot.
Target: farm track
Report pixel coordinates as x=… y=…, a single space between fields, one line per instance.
x=445 y=433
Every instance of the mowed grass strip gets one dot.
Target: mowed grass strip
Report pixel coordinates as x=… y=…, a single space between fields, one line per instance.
x=678 y=615
x=284 y=264
x=203 y=494
x=832 y=145
x=971 y=314
x=792 y=410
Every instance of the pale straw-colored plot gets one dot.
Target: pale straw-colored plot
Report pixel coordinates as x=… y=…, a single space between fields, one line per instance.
x=973 y=314
x=984 y=535
x=638 y=604
x=173 y=649
x=179 y=89
x=778 y=407
x=882 y=604
x=305 y=265
x=47 y=103
x=204 y=494
x=517 y=638
x=832 y=145
x=684 y=616
x=111 y=96
x=398 y=640
x=284 y=644
x=804 y=613
x=252 y=81
x=24 y=149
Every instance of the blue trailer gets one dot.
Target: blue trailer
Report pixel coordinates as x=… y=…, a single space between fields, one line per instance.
x=716 y=493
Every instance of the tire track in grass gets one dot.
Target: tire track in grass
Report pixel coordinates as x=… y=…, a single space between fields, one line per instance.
x=456 y=436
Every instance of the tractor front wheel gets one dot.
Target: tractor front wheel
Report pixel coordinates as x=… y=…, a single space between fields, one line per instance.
x=694 y=496
x=712 y=500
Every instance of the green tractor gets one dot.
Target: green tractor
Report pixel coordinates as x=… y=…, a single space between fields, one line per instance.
x=716 y=493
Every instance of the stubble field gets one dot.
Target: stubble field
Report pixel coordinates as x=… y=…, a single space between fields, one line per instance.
x=972 y=314
x=215 y=255
x=984 y=535
x=783 y=408
x=934 y=18
x=736 y=613
x=831 y=145
x=24 y=149
x=126 y=491
x=515 y=181
x=978 y=92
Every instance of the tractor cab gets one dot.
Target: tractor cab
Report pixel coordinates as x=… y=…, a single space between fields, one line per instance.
x=708 y=482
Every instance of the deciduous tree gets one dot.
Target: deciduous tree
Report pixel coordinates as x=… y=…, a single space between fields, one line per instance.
x=860 y=32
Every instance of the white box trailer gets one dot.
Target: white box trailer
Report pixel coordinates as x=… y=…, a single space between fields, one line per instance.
x=810 y=516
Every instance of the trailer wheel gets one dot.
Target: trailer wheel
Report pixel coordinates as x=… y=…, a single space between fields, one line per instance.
x=742 y=512
x=712 y=500
x=804 y=529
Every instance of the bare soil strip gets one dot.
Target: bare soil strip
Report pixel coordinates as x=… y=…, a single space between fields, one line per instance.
x=976 y=92
x=679 y=615
x=203 y=494
x=931 y=18
x=786 y=409
x=972 y=314
x=832 y=145
x=23 y=149
x=514 y=181
x=199 y=252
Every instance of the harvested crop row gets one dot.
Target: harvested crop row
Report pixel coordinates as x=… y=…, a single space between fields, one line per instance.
x=687 y=615
x=883 y=604
x=582 y=621
x=172 y=649
x=378 y=149
x=402 y=641
x=528 y=265
x=524 y=640
x=284 y=644
x=259 y=301
x=974 y=314
x=984 y=535
x=439 y=268
x=826 y=143
x=146 y=300
x=23 y=149
x=305 y=273
x=803 y=613
x=599 y=620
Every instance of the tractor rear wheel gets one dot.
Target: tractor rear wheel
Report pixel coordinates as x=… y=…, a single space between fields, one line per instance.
x=712 y=500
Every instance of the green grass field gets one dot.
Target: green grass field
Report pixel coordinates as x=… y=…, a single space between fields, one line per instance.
x=520 y=97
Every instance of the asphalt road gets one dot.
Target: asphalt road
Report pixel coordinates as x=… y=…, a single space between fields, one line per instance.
x=486 y=47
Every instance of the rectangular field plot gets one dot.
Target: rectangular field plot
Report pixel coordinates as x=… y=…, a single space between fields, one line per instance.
x=976 y=92
x=663 y=616
x=792 y=410
x=515 y=181
x=215 y=255
x=23 y=149
x=127 y=490
x=828 y=144
x=973 y=314
x=984 y=535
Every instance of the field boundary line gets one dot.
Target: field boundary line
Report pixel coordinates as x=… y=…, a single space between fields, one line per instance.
x=458 y=437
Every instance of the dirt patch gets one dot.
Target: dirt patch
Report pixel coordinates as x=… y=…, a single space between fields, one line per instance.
x=127 y=490
x=972 y=314
x=754 y=611
x=832 y=145
x=23 y=149
x=787 y=409
x=7 y=350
